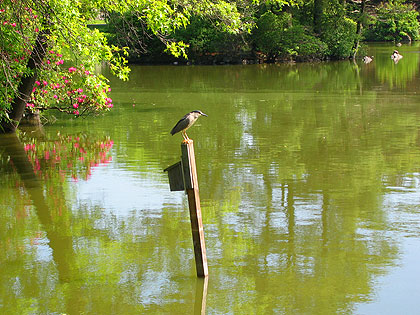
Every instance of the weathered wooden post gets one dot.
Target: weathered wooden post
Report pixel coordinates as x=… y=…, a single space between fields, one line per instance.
x=187 y=169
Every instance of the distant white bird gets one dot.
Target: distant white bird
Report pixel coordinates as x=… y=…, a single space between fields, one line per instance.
x=367 y=59
x=396 y=56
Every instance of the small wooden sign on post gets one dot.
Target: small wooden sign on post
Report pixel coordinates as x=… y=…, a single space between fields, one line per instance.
x=183 y=176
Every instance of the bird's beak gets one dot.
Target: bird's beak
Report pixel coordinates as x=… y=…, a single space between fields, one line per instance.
x=204 y=114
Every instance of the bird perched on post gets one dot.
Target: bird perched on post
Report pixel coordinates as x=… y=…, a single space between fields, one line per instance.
x=186 y=122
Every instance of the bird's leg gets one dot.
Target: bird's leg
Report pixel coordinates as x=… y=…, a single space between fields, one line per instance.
x=185 y=136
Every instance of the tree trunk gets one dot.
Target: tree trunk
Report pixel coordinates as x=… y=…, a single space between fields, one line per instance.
x=359 y=29
x=318 y=12
x=26 y=84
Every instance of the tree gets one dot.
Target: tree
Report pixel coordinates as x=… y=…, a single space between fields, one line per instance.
x=39 y=37
x=359 y=28
x=395 y=21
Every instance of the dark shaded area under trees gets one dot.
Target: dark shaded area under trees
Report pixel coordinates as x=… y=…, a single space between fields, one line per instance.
x=282 y=31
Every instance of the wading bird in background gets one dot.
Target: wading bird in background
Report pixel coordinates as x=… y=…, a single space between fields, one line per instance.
x=396 y=56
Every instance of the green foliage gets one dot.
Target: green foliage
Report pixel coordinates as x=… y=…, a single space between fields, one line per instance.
x=395 y=21
x=269 y=33
x=310 y=47
x=283 y=30
x=205 y=37
x=277 y=36
x=199 y=27
x=339 y=33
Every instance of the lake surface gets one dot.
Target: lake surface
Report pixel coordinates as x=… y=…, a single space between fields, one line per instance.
x=309 y=183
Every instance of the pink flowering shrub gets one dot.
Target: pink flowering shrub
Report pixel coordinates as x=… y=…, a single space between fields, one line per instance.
x=74 y=90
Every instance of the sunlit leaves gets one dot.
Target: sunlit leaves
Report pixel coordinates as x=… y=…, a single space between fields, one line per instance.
x=396 y=21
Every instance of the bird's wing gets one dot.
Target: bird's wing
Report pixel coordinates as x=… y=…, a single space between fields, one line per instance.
x=180 y=125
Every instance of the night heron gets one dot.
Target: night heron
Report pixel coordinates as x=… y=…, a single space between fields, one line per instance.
x=186 y=122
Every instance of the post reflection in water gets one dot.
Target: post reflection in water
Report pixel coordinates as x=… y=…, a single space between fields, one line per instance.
x=201 y=285
x=309 y=195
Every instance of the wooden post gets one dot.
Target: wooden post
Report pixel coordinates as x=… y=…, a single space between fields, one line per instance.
x=191 y=188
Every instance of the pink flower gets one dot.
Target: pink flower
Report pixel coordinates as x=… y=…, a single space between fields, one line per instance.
x=45 y=83
x=48 y=62
x=38 y=83
x=80 y=90
x=72 y=69
x=76 y=112
x=13 y=24
x=36 y=29
x=87 y=72
x=75 y=105
x=55 y=96
x=110 y=105
x=109 y=89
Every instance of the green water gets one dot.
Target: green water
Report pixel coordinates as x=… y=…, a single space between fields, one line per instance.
x=309 y=183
